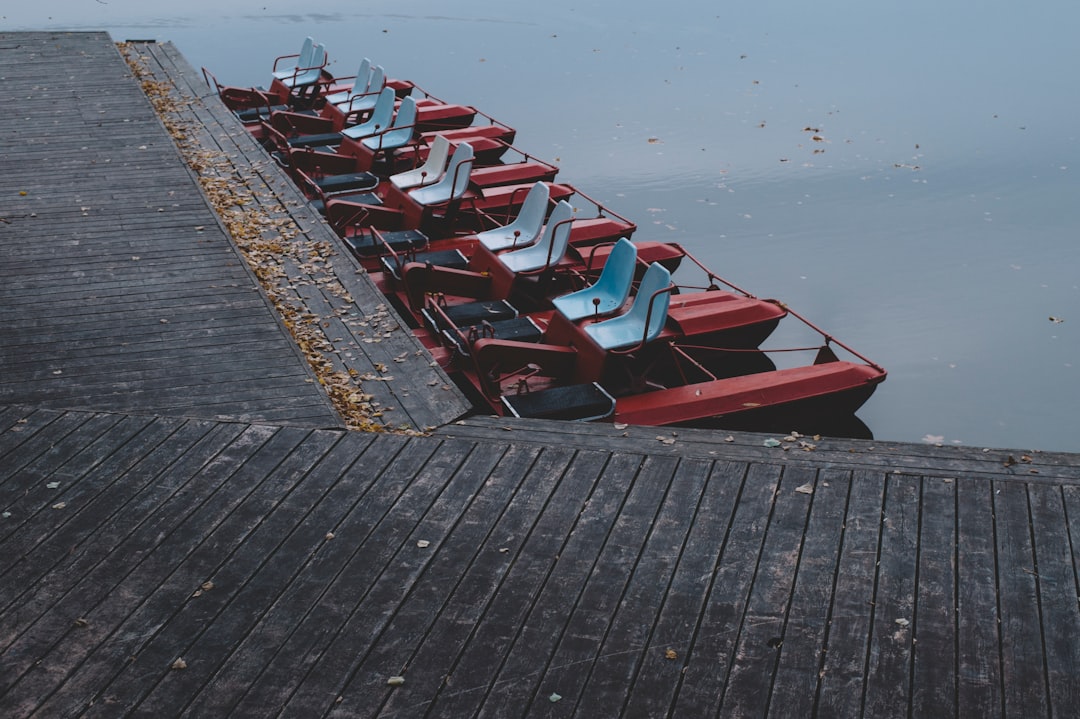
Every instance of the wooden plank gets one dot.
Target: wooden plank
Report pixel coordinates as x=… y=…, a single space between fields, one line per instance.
x=306 y=620
x=978 y=680
x=322 y=280
x=13 y=421
x=888 y=669
x=385 y=564
x=923 y=459
x=209 y=627
x=394 y=648
x=440 y=495
x=632 y=637
x=712 y=651
x=583 y=636
x=515 y=684
x=25 y=489
x=81 y=659
x=156 y=480
x=67 y=507
x=1022 y=651
x=1058 y=608
x=285 y=585
x=538 y=545
x=761 y=636
x=934 y=626
x=802 y=653
x=840 y=690
x=101 y=199
x=430 y=666
x=656 y=684
x=24 y=424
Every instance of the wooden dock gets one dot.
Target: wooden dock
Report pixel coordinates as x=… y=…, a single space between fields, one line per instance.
x=168 y=550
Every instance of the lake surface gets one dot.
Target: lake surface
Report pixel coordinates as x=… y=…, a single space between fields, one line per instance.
x=905 y=175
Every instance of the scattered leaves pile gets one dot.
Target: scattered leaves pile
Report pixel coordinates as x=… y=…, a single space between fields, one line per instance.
x=271 y=244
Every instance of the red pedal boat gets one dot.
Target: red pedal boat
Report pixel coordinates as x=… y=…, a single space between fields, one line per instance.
x=537 y=309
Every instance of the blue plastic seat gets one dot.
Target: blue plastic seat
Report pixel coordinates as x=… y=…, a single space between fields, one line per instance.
x=608 y=294
x=629 y=329
x=381 y=116
x=366 y=100
x=453 y=184
x=304 y=75
x=399 y=133
x=360 y=86
x=430 y=172
x=303 y=60
x=525 y=228
x=549 y=249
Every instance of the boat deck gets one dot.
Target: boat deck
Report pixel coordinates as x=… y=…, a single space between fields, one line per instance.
x=240 y=554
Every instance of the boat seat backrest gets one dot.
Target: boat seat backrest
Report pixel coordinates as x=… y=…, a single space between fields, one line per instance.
x=432 y=169
x=359 y=86
x=526 y=227
x=609 y=293
x=650 y=306
x=551 y=246
x=363 y=78
x=453 y=184
x=310 y=73
x=400 y=131
x=381 y=116
x=303 y=59
x=367 y=100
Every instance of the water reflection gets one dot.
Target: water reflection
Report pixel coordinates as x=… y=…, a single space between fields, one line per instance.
x=904 y=174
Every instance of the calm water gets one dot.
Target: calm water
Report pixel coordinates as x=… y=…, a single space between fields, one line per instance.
x=932 y=224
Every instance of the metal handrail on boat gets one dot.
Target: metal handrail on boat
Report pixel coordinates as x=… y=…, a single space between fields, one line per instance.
x=491 y=120
x=648 y=317
x=829 y=339
x=712 y=276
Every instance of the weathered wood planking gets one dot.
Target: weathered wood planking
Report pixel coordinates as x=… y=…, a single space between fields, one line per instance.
x=119 y=288
x=502 y=567
x=1030 y=464
x=366 y=338
x=296 y=570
